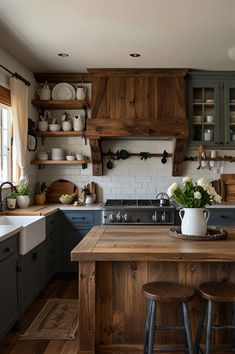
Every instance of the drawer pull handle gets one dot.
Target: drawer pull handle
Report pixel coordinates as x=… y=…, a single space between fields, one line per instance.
x=34 y=256
x=8 y=249
x=78 y=218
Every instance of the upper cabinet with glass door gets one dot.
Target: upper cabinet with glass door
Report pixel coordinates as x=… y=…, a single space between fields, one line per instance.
x=229 y=112
x=203 y=113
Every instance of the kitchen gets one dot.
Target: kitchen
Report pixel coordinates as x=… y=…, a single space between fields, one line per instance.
x=147 y=171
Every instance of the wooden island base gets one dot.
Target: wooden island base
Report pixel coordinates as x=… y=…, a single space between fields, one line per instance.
x=114 y=263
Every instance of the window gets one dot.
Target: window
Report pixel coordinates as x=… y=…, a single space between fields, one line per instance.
x=5 y=143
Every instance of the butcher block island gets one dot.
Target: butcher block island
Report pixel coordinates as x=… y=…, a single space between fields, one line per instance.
x=114 y=263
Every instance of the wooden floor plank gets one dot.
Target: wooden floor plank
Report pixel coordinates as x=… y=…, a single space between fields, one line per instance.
x=63 y=286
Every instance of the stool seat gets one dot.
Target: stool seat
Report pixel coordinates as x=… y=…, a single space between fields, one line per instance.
x=218 y=291
x=168 y=292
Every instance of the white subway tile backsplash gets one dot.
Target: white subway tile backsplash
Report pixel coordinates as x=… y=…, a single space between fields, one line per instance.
x=130 y=178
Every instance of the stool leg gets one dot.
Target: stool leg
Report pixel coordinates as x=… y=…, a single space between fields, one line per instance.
x=152 y=327
x=232 y=321
x=146 y=338
x=187 y=327
x=200 y=327
x=208 y=327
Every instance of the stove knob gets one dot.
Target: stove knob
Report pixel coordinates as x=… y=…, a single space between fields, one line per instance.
x=164 y=217
x=119 y=217
x=112 y=217
x=155 y=217
x=126 y=217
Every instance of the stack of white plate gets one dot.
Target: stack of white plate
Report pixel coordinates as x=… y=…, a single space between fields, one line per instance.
x=57 y=154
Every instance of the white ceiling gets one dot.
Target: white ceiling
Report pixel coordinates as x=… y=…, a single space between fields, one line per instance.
x=197 y=34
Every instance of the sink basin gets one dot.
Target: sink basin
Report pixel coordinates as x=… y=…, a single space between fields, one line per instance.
x=33 y=230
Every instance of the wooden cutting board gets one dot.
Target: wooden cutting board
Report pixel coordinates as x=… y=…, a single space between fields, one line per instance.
x=59 y=187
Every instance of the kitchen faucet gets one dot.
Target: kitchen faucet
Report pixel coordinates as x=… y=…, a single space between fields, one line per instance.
x=12 y=189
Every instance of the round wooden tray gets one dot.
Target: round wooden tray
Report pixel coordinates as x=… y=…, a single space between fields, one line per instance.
x=213 y=234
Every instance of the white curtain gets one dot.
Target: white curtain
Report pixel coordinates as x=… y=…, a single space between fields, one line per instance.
x=19 y=104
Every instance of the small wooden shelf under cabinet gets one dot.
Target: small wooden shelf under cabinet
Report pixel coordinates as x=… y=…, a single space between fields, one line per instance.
x=59 y=133
x=60 y=162
x=61 y=104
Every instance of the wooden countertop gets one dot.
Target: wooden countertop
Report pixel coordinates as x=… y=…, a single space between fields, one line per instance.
x=143 y=243
x=48 y=209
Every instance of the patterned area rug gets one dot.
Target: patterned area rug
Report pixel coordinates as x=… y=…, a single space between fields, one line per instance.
x=58 y=319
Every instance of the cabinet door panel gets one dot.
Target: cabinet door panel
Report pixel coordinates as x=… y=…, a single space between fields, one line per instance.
x=32 y=275
x=9 y=305
x=222 y=217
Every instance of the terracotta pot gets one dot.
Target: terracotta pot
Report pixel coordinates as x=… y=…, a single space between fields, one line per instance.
x=40 y=199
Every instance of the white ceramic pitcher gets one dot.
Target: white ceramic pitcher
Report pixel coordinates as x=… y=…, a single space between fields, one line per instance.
x=194 y=221
x=45 y=92
x=78 y=123
x=81 y=93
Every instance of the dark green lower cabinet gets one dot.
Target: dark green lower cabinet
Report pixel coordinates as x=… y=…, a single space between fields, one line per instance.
x=9 y=299
x=74 y=225
x=222 y=216
x=32 y=275
x=51 y=246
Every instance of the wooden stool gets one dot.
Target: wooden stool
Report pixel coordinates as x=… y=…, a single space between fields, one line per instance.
x=167 y=292
x=212 y=292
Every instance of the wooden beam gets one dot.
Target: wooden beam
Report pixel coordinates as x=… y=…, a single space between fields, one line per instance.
x=63 y=77
x=138 y=72
x=96 y=157
x=178 y=157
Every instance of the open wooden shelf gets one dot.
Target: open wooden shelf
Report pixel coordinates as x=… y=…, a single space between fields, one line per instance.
x=61 y=104
x=60 y=133
x=60 y=162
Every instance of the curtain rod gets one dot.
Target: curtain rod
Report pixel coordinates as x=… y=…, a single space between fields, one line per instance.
x=18 y=76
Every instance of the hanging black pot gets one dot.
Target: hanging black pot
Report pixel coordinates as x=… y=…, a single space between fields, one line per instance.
x=109 y=165
x=124 y=154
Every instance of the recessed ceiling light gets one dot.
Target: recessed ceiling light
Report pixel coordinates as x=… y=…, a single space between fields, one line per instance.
x=64 y=55
x=135 y=55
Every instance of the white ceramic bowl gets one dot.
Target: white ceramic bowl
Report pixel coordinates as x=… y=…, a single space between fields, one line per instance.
x=70 y=157
x=67 y=200
x=42 y=156
x=80 y=157
x=54 y=127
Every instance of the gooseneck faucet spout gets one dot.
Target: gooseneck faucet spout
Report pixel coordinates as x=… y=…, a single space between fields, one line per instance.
x=12 y=188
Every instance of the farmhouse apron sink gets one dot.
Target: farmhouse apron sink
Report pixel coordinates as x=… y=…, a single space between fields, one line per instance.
x=33 y=230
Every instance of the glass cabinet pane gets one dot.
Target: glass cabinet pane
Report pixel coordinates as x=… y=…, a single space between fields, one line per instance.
x=203 y=120
x=231 y=114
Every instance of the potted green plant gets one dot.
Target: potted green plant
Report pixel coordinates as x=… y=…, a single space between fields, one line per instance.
x=22 y=198
x=40 y=193
x=11 y=199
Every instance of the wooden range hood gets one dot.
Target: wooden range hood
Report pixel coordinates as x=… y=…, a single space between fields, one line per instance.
x=138 y=103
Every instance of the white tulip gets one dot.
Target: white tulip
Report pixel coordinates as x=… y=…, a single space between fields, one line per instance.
x=187 y=179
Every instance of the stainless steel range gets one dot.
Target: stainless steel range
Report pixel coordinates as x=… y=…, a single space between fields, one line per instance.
x=137 y=211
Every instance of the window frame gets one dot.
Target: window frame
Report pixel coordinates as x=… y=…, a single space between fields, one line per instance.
x=5 y=103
